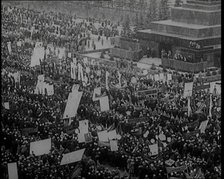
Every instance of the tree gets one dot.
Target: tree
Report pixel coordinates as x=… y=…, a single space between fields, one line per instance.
x=126 y=26
x=148 y=20
x=141 y=21
x=153 y=10
x=163 y=10
x=177 y=3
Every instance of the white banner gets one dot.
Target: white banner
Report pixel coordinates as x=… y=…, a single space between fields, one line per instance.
x=40 y=147
x=72 y=104
x=107 y=75
x=97 y=91
x=188 y=106
x=112 y=135
x=203 y=126
x=188 y=87
x=12 y=170
x=72 y=157
x=156 y=77
x=103 y=136
x=113 y=145
x=73 y=71
x=9 y=47
x=104 y=104
x=154 y=149
x=6 y=105
x=84 y=126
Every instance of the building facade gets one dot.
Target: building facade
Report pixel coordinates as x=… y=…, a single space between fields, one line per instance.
x=194 y=31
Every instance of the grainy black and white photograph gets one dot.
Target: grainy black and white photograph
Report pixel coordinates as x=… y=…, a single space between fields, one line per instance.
x=111 y=89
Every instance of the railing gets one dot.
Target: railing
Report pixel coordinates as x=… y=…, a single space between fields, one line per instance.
x=183 y=66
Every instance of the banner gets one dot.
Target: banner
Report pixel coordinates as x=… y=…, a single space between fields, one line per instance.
x=103 y=136
x=69 y=54
x=169 y=77
x=12 y=170
x=156 y=77
x=210 y=106
x=30 y=130
x=81 y=137
x=40 y=147
x=9 y=47
x=75 y=87
x=6 y=105
x=188 y=87
x=112 y=135
x=72 y=157
x=73 y=71
x=97 y=91
x=176 y=169
x=84 y=126
x=119 y=78
x=203 y=126
x=169 y=162
x=103 y=144
x=188 y=106
x=154 y=149
x=104 y=104
x=113 y=145
x=88 y=137
x=107 y=75
x=50 y=90
x=72 y=104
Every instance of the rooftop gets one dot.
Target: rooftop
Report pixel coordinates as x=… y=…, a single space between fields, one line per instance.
x=149 y=31
x=181 y=24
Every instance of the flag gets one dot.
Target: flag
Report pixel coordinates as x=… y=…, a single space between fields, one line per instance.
x=188 y=106
x=12 y=170
x=40 y=147
x=104 y=104
x=72 y=104
x=72 y=157
x=107 y=75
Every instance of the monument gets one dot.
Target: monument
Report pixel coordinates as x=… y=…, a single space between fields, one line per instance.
x=196 y=22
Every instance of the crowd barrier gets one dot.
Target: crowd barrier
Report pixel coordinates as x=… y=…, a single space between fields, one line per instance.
x=183 y=66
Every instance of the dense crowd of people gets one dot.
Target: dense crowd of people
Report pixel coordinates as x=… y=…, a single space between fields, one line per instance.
x=139 y=120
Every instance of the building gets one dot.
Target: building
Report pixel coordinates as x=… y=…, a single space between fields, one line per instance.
x=196 y=22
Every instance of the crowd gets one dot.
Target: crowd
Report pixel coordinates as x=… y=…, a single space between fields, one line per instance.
x=139 y=120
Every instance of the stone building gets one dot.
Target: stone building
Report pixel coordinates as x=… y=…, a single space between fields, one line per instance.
x=196 y=22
